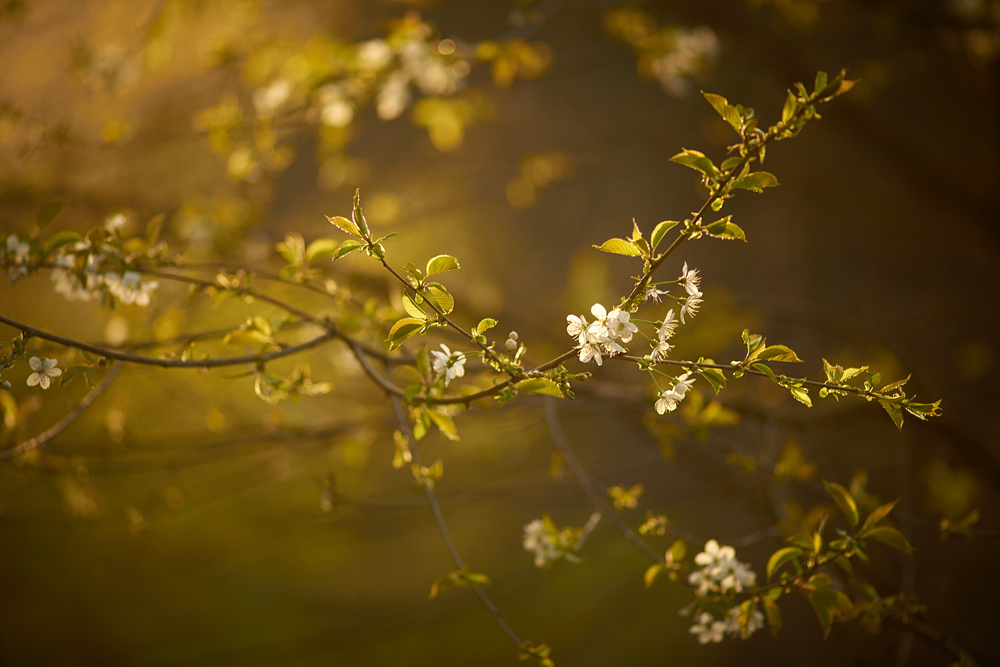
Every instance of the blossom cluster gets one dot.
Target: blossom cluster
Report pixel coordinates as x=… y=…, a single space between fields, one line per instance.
x=710 y=630
x=381 y=70
x=549 y=543
x=721 y=571
x=15 y=254
x=668 y=400
x=602 y=336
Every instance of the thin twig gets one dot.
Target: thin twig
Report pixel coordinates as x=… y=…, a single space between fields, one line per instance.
x=456 y=558
x=587 y=484
x=43 y=437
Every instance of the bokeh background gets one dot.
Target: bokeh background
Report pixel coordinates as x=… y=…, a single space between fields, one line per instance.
x=181 y=521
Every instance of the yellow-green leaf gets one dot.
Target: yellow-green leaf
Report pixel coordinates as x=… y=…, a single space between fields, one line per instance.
x=442 y=263
x=539 y=386
x=345 y=224
x=321 y=248
x=777 y=353
x=844 y=500
x=772 y=612
x=620 y=247
x=402 y=330
x=412 y=309
x=60 y=239
x=651 y=573
x=781 y=557
x=660 y=231
x=437 y=293
x=876 y=516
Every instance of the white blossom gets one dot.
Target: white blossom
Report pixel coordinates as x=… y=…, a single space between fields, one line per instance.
x=115 y=222
x=708 y=629
x=45 y=369
x=591 y=352
x=618 y=326
x=537 y=538
x=576 y=326
x=651 y=293
x=394 y=96
x=268 y=100
x=754 y=623
x=336 y=110
x=692 y=303
x=721 y=571
x=448 y=363
x=670 y=398
x=663 y=334
x=689 y=278
x=129 y=289
x=374 y=54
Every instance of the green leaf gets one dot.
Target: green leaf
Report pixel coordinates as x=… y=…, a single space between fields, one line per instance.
x=345 y=225
x=60 y=239
x=714 y=377
x=437 y=293
x=620 y=247
x=820 y=85
x=442 y=263
x=402 y=330
x=359 y=217
x=876 y=516
x=781 y=557
x=49 y=210
x=756 y=182
x=412 y=309
x=801 y=395
x=484 y=324
x=540 y=386
x=321 y=248
x=660 y=231
x=772 y=612
x=895 y=412
x=651 y=572
x=726 y=110
x=844 y=500
x=724 y=229
x=348 y=246
x=891 y=537
x=766 y=370
x=444 y=423
x=696 y=160
x=777 y=353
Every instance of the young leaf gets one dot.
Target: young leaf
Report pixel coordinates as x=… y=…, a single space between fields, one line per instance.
x=777 y=353
x=756 y=182
x=696 y=160
x=60 y=239
x=402 y=330
x=876 y=516
x=844 y=500
x=359 y=217
x=540 y=386
x=348 y=246
x=321 y=248
x=651 y=572
x=895 y=412
x=660 y=231
x=442 y=263
x=345 y=225
x=781 y=557
x=437 y=293
x=412 y=309
x=715 y=377
x=889 y=536
x=801 y=395
x=726 y=110
x=724 y=229
x=620 y=247
x=444 y=423
x=484 y=324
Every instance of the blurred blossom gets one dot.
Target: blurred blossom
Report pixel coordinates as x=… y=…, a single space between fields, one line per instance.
x=268 y=100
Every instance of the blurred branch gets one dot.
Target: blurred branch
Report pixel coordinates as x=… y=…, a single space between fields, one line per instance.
x=57 y=428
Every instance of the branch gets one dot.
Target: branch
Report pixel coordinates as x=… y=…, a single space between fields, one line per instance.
x=43 y=437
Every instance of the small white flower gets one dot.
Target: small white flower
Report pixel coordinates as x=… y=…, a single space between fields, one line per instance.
x=129 y=289
x=691 y=304
x=651 y=293
x=536 y=538
x=618 y=325
x=689 y=278
x=668 y=402
x=577 y=328
x=116 y=222
x=448 y=363
x=44 y=370
x=336 y=109
x=268 y=100
x=374 y=54
x=660 y=351
x=18 y=249
x=754 y=623
x=666 y=329
x=708 y=629
x=591 y=352
x=394 y=96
